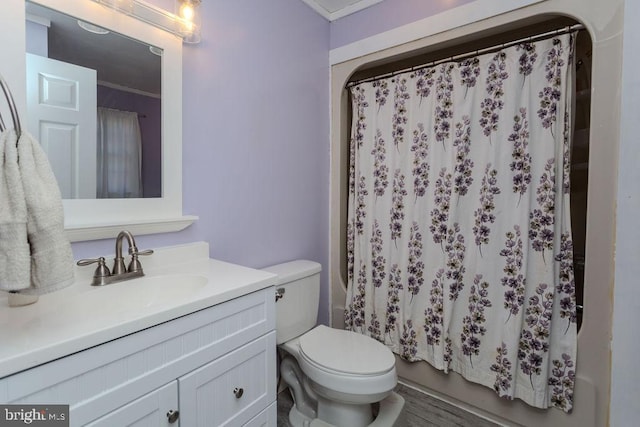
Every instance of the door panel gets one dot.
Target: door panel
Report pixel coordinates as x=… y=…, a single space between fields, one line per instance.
x=231 y=390
x=61 y=115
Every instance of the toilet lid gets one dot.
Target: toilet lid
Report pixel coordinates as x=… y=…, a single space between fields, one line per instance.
x=346 y=351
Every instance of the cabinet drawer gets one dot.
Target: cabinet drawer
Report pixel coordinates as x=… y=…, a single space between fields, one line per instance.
x=149 y=410
x=231 y=390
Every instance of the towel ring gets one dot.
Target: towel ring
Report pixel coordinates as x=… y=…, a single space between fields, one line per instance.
x=12 y=108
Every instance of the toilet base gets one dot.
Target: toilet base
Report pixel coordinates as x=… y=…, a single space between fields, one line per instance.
x=389 y=415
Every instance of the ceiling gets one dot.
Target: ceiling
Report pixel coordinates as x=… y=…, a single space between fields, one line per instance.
x=335 y=9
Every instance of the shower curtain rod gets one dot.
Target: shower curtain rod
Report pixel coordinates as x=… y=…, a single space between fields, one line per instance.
x=456 y=58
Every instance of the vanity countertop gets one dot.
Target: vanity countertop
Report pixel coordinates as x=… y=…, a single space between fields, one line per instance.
x=82 y=316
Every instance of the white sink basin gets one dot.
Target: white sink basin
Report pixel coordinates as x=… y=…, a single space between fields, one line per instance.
x=144 y=292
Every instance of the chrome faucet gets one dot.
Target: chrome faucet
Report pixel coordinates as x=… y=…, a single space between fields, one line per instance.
x=102 y=275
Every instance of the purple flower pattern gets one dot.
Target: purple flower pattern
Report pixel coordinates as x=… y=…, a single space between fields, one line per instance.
x=484 y=214
x=357 y=139
x=550 y=95
x=473 y=323
x=455 y=261
x=562 y=381
x=378 y=262
x=447 y=357
x=382 y=91
x=541 y=219
x=527 y=59
x=401 y=95
x=534 y=337
x=424 y=81
x=444 y=109
x=502 y=368
x=380 y=168
x=360 y=98
x=374 y=328
x=464 y=165
x=415 y=269
x=397 y=206
x=521 y=159
x=408 y=342
x=493 y=103
x=361 y=206
x=566 y=155
x=354 y=314
x=393 y=299
x=350 y=250
x=514 y=280
x=420 y=171
x=469 y=72
x=434 y=313
x=566 y=285
x=442 y=202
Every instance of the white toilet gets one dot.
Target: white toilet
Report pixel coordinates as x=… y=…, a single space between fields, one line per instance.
x=337 y=378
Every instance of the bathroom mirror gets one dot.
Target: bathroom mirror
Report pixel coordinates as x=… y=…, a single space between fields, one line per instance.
x=95 y=218
x=94 y=104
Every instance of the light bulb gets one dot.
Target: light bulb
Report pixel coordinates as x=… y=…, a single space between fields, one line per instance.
x=186 y=11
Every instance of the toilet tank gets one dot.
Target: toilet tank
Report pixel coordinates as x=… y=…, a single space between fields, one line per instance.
x=297 y=309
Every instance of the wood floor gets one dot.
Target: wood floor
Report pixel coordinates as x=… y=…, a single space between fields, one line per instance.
x=420 y=410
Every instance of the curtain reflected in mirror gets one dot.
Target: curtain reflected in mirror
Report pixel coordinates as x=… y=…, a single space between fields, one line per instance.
x=119 y=146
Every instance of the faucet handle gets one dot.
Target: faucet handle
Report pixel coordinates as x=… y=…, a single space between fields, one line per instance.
x=135 y=265
x=102 y=270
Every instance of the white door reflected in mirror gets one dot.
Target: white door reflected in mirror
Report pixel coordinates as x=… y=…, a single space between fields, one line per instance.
x=61 y=114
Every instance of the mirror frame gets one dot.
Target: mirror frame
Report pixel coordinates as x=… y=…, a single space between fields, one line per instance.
x=90 y=219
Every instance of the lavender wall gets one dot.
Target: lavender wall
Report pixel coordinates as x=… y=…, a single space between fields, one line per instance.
x=255 y=137
x=256 y=128
x=149 y=111
x=385 y=16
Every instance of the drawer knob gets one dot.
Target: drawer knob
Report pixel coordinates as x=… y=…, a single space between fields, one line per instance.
x=238 y=392
x=173 y=416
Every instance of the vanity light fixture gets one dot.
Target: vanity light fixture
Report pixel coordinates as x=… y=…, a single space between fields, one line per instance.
x=188 y=11
x=185 y=23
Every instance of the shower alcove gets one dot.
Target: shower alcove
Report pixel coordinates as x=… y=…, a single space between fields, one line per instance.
x=590 y=399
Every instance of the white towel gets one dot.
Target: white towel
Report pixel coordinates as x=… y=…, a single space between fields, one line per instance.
x=51 y=256
x=15 y=264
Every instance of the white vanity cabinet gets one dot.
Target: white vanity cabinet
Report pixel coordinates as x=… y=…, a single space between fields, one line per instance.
x=216 y=366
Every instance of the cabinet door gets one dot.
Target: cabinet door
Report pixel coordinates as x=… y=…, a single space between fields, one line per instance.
x=148 y=411
x=231 y=390
x=266 y=418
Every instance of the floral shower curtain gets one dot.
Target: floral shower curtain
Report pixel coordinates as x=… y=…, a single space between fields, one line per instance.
x=459 y=236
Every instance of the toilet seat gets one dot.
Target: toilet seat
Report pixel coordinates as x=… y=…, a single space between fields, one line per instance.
x=346 y=362
x=347 y=352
